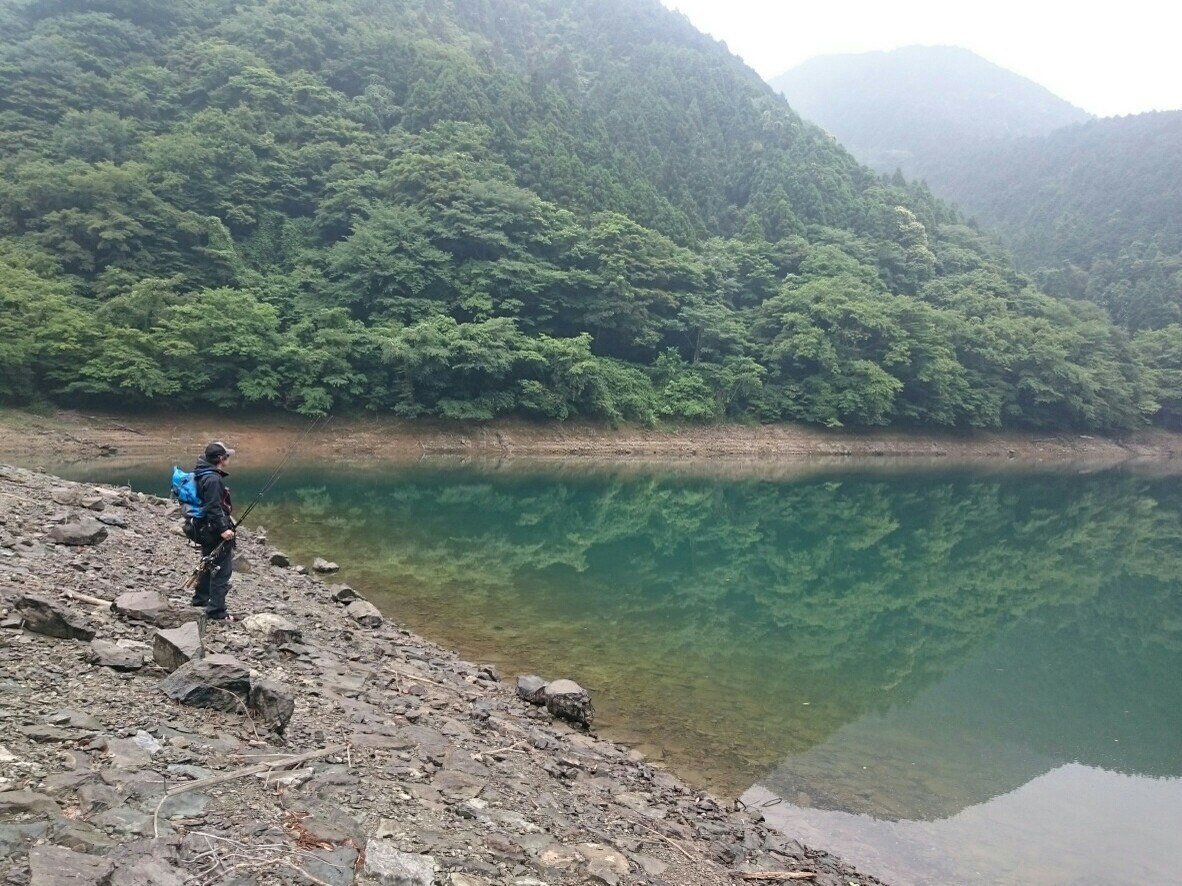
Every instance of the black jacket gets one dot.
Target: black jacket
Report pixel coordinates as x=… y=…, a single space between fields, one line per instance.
x=215 y=497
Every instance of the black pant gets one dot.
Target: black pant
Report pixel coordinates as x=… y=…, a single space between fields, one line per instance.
x=214 y=583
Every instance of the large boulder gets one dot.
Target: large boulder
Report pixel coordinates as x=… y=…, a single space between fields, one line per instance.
x=364 y=613
x=44 y=616
x=324 y=566
x=220 y=682
x=86 y=531
x=173 y=648
x=570 y=701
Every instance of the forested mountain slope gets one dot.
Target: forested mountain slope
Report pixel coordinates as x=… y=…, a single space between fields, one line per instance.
x=477 y=207
x=1095 y=210
x=908 y=108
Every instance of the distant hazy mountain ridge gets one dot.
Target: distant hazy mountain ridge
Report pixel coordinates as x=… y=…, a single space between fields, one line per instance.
x=904 y=108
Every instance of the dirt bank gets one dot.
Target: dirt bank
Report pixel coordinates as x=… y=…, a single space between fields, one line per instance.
x=312 y=742
x=71 y=436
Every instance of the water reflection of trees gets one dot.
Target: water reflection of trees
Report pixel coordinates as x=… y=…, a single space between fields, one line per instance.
x=732 y=604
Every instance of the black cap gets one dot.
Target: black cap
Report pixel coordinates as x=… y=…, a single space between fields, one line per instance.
x=216 y=450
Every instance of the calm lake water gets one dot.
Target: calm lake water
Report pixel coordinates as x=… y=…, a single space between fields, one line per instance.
x=945 y=677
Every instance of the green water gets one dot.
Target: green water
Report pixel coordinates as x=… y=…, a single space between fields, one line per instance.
x=947 y=677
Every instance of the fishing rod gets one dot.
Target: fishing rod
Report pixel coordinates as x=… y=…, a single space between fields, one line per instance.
x=208 y=563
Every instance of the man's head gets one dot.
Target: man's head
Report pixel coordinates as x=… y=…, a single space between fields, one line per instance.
x=217 y=452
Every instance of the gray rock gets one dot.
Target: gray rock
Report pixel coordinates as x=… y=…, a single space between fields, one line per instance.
x=148 y=871
x=278 y=558
x=146 y=606
x=112 y=520
x=530 y=687
x=176 y=647
x=81 y=837
x=111 y=655
x=456 y=786
x=27 y=802
x=275 y=628
x=271 y=704
x=570 y=701
x=43 y=616
x=604 y=863
x=220 y=682
x=364 y=613
x=127 y=753
x=15 y=837
x=74 y=719
x=87 y=531
x=125 y=821
x=334 y=867
x=390 y=867
x=97 y=797
x=324 y=566
x=344 y=594
x=47 y=734
x=57 y=866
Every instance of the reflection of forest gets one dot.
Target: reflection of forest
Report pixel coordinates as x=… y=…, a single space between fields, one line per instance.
x=736 y=623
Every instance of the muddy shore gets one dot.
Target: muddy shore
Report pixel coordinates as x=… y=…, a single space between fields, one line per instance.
x=312 y=742
x=67 y=436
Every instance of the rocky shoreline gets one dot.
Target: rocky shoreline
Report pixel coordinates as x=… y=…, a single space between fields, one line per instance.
x=313 y=742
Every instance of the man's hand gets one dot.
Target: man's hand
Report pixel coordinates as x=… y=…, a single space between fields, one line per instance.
x=227 y=535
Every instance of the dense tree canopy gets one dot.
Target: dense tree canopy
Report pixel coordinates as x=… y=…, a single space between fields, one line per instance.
x=480 y=207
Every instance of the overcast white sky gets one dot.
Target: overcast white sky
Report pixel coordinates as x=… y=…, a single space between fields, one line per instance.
x=1107 y=58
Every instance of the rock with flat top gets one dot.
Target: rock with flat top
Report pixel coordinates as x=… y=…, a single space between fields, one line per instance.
x=176 y=647
x=392 y=867
x=48 y=617
x=220 y=682
x=273 y=628
x=58 y=866
x=87 y=531
x=146 y=606
x=106 y=654
x=570 y=701
x=364 y=613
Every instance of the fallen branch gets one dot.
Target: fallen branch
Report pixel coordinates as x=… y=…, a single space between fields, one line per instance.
x=241 y=773
x=253 y=770
x=86 y=598
x=668 y=840
x=775 y=876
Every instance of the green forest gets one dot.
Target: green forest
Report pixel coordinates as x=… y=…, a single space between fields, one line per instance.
x=474 y=208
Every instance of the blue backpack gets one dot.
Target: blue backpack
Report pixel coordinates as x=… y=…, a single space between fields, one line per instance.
x=184 y=490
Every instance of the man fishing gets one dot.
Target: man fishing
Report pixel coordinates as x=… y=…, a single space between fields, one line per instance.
x=214 y=532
